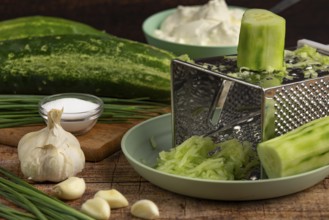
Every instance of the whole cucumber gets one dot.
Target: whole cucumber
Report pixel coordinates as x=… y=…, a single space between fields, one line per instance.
x=105 y=66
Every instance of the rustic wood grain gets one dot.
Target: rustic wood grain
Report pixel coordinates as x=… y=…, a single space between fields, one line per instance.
x=307 y=19
x=115 y=172
x=100 y=142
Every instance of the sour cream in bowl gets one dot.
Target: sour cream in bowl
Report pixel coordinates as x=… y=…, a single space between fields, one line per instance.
x=199 y=31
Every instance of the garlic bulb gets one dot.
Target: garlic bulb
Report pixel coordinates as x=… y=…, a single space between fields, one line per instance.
x=50 y=154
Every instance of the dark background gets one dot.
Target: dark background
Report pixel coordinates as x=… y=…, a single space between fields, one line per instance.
x=307 y=19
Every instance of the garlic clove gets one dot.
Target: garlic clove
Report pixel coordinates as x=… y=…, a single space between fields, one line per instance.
x=145 y=209
x=96 y=208
x=113 y=197
x=69 y=189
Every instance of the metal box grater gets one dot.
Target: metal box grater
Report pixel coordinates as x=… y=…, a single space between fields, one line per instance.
x=207 y=102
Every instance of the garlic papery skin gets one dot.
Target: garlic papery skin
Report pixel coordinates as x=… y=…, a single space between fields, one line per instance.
x=96 y=208
x=70 y=189
x=145 y=209
x=114 y=198
x=50 y=154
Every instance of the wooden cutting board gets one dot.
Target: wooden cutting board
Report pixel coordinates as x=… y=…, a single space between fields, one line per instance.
x=100 y=142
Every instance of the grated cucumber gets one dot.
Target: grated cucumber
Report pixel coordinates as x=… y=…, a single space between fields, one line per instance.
x=232 y=161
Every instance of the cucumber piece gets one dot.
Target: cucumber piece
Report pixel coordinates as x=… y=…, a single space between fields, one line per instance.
x=261 y=41
x=104 y=66
x=43 y=26
x=303 y=149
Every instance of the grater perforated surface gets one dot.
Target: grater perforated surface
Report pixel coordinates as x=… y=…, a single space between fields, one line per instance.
x=204 y=101
x=300 y=103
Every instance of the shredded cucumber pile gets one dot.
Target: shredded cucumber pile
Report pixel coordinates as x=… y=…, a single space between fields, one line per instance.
x=309 y=56
x=308 y=59
x=234 y=160
x=305 y=60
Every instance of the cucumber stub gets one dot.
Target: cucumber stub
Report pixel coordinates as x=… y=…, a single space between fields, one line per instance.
x=261 y=41
x=303 y=149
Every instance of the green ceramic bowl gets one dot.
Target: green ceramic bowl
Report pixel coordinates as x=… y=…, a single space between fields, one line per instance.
x=153 y=23
x=142 y=155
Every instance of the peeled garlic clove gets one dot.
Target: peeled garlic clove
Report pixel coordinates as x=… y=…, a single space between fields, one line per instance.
x=69 y=189
x=96 y=208
x=145 y=209
x=113 y=197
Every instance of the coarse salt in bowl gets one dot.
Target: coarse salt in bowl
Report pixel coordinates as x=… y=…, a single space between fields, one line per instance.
x=80 y=111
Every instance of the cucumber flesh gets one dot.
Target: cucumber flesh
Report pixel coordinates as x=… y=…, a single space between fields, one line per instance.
x=303 y=149
x=261 y=41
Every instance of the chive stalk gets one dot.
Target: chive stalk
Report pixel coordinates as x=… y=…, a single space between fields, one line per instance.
x=33 y=200
x=27 y=203
x=13 y=214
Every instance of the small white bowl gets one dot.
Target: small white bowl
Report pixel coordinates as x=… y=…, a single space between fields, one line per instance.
x=80 y=111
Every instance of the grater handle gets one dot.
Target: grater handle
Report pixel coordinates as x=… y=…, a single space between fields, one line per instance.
x=322 y=48
x=214 y=116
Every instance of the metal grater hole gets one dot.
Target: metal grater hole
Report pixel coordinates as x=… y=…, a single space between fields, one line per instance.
x=301 y=104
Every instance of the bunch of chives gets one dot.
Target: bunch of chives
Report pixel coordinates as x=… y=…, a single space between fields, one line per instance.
x=21 y=110
x=32 y=203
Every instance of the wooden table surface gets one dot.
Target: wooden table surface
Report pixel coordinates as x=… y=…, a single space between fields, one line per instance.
x=307 y=19
x=115 y=172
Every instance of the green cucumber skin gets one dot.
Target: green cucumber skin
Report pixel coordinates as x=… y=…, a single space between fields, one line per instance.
x=104 y=66
x=303 y=149
x=43 y=26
